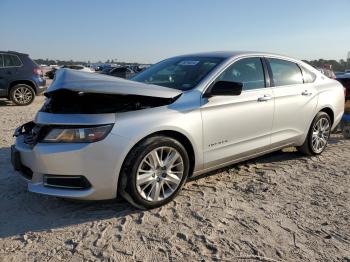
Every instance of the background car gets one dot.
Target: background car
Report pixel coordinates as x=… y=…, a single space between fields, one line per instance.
x=327 y=72
x=51 y=74
x=20 y=78
x=79 y=67
x=122 y=72
x=105 y=70
x=345 y=81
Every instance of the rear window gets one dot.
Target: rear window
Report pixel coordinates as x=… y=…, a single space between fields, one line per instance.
x=11 y=60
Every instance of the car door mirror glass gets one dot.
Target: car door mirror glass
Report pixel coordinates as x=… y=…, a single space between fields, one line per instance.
x=225 y=88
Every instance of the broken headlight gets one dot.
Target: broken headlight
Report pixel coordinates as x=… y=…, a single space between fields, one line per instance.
x=77 y=134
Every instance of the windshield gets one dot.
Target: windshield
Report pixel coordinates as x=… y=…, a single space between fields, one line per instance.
x=181 y=73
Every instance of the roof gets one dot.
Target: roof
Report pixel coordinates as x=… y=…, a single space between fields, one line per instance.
x=228 y=54
x=13 y=52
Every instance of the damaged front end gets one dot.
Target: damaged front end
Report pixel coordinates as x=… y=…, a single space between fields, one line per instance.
x=81 y=107
x=31 y=132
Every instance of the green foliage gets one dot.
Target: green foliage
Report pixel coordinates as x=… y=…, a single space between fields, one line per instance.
x=337 y=66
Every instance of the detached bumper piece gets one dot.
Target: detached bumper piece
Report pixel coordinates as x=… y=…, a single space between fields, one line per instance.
x=66 y=182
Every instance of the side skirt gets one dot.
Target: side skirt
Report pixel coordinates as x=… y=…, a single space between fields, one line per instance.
x=240 y=159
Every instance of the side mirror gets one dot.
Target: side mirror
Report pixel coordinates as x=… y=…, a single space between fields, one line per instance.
x=225 y=88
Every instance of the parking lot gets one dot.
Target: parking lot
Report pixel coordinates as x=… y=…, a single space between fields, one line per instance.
x=281 y=207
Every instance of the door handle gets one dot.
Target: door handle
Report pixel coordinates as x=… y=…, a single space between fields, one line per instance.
x=264 y=98
x=306 y=93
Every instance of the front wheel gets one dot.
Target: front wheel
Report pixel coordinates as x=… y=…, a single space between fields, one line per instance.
x=22 y=95
x=155 y=171
x=318 y=135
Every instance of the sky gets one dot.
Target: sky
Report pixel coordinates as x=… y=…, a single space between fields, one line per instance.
x=147 y=31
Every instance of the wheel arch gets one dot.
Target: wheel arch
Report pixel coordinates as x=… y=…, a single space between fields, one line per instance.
x=23 y=82
x=328 y=111
x=183 y=139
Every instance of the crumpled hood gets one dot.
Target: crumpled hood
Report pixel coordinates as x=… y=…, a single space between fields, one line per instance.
x=97 y=83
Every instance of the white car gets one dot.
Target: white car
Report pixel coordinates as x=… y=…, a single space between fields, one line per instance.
x=98 y=135
x=79 y=67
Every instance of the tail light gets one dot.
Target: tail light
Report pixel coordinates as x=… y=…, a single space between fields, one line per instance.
x=38 y=71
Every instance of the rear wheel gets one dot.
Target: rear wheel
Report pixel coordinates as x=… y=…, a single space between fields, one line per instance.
x=155 y=171
x=318 y=135
x=22 y=95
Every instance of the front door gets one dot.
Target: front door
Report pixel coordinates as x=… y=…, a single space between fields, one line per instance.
x=237 y=126
x=3 y=79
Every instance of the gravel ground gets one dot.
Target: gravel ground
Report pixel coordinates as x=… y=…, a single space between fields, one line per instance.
x=281 y=207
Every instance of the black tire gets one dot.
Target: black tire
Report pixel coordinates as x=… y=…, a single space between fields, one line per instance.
x=127 y=181
x=307 y=148
x=27 y=92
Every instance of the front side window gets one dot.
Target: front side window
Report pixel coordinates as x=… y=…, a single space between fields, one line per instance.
x=248 y=71
x=285 y=72
x=11 y=60
x=181 y=73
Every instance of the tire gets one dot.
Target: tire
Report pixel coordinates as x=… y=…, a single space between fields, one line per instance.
x=140 y=181
x=314 y=143
x=22 y=94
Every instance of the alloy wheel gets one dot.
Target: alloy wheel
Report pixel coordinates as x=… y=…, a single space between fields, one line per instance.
x=159 y=174
x=22 y=95
x=320 y=134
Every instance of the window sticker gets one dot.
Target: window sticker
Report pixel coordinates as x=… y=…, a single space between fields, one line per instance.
x=188 y=63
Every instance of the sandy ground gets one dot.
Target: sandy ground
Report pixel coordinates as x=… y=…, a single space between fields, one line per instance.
x=281 y=207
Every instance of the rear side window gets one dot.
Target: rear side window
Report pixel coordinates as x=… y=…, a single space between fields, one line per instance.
x=285 y=72
x=309 y=77
x=248 y=71
x=11 y=60
x=1 y=61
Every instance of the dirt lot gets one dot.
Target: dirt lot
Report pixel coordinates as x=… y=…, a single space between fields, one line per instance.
x=281 y=207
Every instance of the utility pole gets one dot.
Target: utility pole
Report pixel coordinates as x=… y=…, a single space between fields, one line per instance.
x=348 y=60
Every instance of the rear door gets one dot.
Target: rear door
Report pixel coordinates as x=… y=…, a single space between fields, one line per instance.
x=3 y=79
x=295 y=101
x=12 y=66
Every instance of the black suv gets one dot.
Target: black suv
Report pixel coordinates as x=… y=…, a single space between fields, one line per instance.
x=20 y=78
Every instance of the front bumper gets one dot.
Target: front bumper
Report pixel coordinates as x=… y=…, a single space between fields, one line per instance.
x=98 y=162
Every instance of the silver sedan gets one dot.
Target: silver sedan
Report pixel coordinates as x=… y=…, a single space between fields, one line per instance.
x=98 y=136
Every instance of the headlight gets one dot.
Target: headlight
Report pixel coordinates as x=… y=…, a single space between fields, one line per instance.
x=78 y=134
